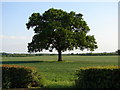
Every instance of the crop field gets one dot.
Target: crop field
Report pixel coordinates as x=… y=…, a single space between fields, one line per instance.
x=60 y=74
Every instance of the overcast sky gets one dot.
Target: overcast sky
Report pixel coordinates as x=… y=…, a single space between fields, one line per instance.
x=101 y=17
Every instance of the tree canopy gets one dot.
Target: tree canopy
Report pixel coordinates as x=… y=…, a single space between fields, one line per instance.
x=61 y=30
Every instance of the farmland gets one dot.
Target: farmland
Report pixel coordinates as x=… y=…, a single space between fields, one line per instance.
x=60 y=74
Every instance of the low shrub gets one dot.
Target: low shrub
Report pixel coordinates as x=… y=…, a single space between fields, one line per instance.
x=19 y=77
x=98 y=77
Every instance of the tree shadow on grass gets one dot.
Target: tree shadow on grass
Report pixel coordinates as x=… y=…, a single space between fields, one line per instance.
x=19 y=62
x=22 y=62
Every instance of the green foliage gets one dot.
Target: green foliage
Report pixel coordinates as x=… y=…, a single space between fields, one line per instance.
x=98 y=77
x=19 y=77
x=60 y=30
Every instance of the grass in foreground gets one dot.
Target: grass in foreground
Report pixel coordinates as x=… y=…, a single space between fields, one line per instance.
x=60 y=74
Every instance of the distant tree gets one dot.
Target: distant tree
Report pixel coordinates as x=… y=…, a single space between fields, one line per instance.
x=61 y=30
x=118 y=52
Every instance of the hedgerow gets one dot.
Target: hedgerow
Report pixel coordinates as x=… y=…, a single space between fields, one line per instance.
x=98 y=77
x=14 y=76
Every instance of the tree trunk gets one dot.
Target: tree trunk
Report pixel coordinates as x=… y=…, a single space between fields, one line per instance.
x=59 y=55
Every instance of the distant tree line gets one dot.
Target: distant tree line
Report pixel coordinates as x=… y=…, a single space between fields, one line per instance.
x=78 y=54
x=15 y=55
x=96 y=54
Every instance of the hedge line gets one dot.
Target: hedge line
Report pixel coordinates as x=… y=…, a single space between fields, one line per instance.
x=19 y=77
x=72 y=54
x=98 y=77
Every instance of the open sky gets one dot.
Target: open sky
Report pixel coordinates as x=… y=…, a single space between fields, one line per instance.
x=101 y=17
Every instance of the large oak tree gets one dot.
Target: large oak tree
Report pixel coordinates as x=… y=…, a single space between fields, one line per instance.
x=61 y=30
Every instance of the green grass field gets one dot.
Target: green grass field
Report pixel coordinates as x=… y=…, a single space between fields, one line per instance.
x=60 y=74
